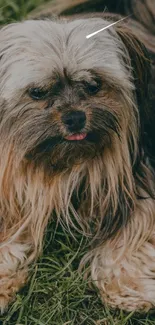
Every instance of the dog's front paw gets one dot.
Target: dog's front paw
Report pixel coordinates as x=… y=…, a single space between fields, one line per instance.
x=127 y=299
x=126 y=281
x=9 y=285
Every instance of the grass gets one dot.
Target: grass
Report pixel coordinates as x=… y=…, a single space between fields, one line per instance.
x=13 y=10
x=56 y=293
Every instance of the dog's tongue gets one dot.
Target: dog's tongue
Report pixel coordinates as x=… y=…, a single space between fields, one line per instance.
x=76 y=136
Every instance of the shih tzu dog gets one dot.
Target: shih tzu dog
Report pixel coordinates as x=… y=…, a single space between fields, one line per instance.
x=76 y=130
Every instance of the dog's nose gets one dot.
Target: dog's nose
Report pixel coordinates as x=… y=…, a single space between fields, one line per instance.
x=74 y=120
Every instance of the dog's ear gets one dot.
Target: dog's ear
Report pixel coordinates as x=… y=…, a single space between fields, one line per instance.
x=143 y=79
x=140 y=62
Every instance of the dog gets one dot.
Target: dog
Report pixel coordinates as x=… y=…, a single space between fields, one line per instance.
x=76 y=130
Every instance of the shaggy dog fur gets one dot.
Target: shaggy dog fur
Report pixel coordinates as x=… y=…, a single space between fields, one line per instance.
x=77 y=141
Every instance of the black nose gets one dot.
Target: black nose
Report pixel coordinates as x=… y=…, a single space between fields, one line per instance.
x=74 y=120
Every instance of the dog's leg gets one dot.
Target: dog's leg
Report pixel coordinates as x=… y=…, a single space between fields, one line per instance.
x=124 y=270
x=27 y=209
x=13 y=274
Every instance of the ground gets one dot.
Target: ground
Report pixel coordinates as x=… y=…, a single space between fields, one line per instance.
x=56 y=293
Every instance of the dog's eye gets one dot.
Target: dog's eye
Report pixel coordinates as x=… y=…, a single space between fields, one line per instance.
x=38 y=93
x=93 y=88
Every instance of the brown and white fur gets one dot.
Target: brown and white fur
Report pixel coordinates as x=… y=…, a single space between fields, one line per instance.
x=104 y=185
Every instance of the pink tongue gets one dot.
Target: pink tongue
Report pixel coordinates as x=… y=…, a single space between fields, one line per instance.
x=76 y=136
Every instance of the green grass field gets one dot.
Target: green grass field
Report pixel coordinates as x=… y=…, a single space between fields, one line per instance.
x=56 y=293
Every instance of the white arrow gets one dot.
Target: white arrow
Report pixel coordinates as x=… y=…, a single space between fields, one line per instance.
x=100 y=30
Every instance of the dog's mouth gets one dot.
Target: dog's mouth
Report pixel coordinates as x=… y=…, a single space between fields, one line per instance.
x=60 y=153
x=83 y=138
x=72 y=141
x=76 y=137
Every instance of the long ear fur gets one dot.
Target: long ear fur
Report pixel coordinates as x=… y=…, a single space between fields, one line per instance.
x=141 y=68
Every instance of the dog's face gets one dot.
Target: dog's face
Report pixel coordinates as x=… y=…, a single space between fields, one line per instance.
x=65 y=99
x=69 y=120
